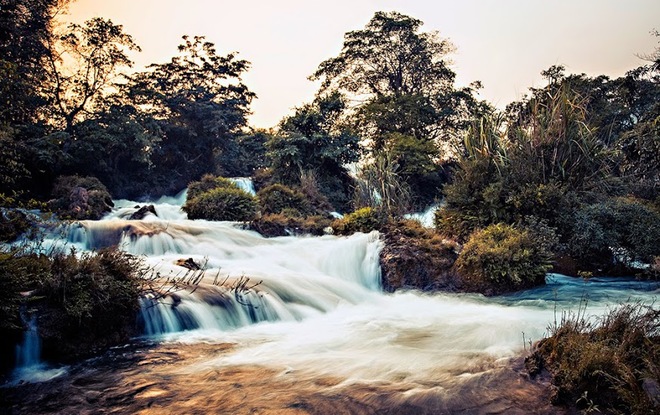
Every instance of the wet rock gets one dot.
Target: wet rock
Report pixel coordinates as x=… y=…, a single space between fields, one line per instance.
x=142 y=212
x=188 y=263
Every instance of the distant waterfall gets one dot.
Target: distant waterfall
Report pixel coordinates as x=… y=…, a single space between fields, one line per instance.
x=427 y=217
x=245 y=184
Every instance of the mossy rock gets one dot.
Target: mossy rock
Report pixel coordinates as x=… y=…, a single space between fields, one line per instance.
x=414 y=257
x=80 y=198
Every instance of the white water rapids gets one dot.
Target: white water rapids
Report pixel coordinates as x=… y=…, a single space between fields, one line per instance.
x=316 y=305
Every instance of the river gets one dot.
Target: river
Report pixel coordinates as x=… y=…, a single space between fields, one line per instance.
x=303 y=320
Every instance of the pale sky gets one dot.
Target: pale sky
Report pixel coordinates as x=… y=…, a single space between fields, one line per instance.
x=503 y=43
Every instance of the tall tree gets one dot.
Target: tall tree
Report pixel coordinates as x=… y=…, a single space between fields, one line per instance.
x=201 y=104
x=406 y=102
x=25 y=32
x=82 y=66
x=402 y=78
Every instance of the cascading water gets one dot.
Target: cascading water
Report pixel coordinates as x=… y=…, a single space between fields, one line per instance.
x=426 y=217
x=245 y=184
x=29 y=366
x=314 y=304
x=28 y=353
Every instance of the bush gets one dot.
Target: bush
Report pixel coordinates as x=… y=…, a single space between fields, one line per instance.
x=13 y=223
x=501 y=258
x=278 y=197
x=209 y=182
x=474 y=200
x=83 y=304
x=620 y=230
x=612 y=365
x=362 y=220
x=228 y=203
x=80 y=198
x=91 y=302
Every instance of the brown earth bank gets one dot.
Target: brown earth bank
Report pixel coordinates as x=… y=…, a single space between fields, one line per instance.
x=172 y=379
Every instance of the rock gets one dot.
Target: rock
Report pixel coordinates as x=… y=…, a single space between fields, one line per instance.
x=78 y=200
x=188 y=263
x=142 y=212
x=415 y=257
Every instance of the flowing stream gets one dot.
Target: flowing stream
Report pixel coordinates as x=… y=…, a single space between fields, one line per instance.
x=313 y=305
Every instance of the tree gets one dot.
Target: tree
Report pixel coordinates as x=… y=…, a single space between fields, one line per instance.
x=313 y=142
x=402 y=78
x=407 y=104
x=25 y=31
x=81 y=66
x=201 y=105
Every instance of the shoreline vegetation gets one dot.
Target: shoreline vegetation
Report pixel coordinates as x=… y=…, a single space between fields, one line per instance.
x=565 y=180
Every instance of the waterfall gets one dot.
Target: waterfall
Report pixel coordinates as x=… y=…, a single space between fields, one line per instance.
x=28 y=353
x=427 y=217
x=245 y=184
x=293 y=278
x=315 y=303
x=29 y=366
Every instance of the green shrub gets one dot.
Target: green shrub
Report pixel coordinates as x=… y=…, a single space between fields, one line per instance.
x=278 y=197
x=502 y=258
x=362 y=220
x=80 y=198
x=91 y=302
x=474 y=200
x=209 y=182
x=13 y=223
x=607 y=364
x=623 y=226
x=229 y=203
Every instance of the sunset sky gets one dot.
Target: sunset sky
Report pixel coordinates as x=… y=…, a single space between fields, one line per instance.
x=503 y=43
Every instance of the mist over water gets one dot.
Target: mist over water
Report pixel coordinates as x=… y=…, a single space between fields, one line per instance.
x=315 y=305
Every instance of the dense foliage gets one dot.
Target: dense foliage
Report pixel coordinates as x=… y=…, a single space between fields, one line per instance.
x=218 y=198
x=83 y=303
x=501 y=258
x=314 y=146
x=362 y=220
x=548 y=160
